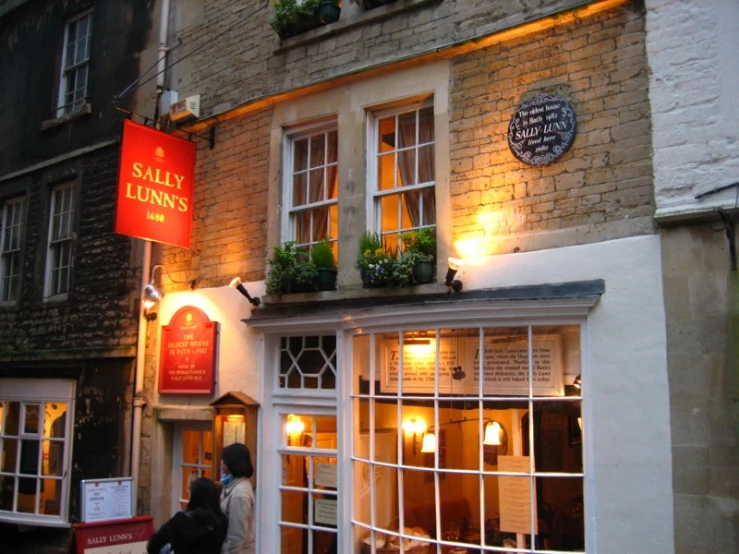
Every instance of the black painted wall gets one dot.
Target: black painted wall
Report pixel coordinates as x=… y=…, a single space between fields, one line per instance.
x=31 y=37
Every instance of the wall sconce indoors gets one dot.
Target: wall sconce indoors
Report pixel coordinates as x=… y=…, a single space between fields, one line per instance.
x=416 y=427
x=236 y=284
x=454 y=265
x=495 y=435
x=294 y=427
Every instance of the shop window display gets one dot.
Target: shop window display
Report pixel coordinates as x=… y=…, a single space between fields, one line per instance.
x=468 y=438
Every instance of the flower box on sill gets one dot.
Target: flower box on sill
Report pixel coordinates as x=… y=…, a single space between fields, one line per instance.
x=292 y=18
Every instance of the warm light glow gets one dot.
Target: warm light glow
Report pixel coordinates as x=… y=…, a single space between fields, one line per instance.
x=235 y=418
x=579 y=423
x=469 y=248
x=429 y=443
x=492 y=434
x=414 y=426
x=455 y=263
x=149 y=304
x=419 y=348
x=294 y=425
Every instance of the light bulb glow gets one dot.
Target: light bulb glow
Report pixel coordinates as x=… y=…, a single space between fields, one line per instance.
x=492 y=434
x=294 y=425
x=429 y=443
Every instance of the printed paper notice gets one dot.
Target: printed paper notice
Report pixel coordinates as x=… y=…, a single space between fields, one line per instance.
x=326 y=475
x=515 y=495
x=326 y=511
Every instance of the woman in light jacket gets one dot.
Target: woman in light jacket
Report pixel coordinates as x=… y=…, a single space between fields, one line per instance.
x=237 y=499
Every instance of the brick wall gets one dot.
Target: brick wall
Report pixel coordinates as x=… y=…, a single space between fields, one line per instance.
x=598 y=65
x=229 y=231
x=249 y=61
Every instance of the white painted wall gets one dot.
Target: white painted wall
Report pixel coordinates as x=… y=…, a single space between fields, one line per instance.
x=628 y=445
x=237 y=346
x=692 y=50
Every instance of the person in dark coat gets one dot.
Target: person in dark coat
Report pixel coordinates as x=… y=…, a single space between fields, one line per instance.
x=200 y=529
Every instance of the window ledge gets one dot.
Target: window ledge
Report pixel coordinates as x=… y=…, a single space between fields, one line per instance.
x=364 y=17
x=354 y=294
x=51 y=123
x=57 y=297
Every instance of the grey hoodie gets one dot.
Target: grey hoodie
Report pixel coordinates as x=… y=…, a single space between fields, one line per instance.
x=237 y=502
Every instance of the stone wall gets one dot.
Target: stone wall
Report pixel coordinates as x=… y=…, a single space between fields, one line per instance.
x=602 y=187
x=704 y=381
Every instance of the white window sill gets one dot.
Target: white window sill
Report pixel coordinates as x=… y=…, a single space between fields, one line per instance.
x=57 y=297
x=51 y=123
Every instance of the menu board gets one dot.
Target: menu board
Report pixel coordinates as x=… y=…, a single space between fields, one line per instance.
x=107 y=499
x=515 y=495
x=505 y=364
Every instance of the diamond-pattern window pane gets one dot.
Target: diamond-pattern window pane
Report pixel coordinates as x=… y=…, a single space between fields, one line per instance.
x=308 y=362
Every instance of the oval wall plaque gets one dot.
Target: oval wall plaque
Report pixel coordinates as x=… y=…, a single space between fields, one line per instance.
x=542 y=129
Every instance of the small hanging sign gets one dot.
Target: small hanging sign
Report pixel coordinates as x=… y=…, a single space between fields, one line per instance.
x=542 y=129
x=188 y=357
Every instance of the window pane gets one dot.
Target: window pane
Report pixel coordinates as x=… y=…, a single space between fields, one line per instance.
x=27 y=492
x=389 y=208
x=561 y=513
x=426 y=164
x=10 y=455
x=31 y=419
x=386 y=135
x=7 y=486
x=12 y=419
x=557 y=436
x=53 y=463
x=407 y=129
x=333 y=147
x=386 y=172
x=51 y=497
x=56 y=417
x=300 y=155
x=317 y=151
x=407 y=168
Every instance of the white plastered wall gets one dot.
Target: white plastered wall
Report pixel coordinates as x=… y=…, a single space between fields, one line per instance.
x=692 y=47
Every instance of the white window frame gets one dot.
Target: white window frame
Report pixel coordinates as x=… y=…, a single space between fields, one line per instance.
x=177 y=462
x=11 y=248
x=566 y=311
x=288 y=223
x=70 y=73
x=374 y=194
x=39 y=391
x=60 y=255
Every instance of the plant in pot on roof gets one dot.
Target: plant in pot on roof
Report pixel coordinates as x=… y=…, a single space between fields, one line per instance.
x=290 y=270
x=322 y=255
x=293 y=17
x=421 y=245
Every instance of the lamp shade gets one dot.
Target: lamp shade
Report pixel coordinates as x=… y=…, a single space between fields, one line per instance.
x=152 y=295
x=429 y=443
x=492 y=434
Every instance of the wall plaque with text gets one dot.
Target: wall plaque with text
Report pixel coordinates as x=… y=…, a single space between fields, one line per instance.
x=541 y=130
x=187 y=364
x=506 y=366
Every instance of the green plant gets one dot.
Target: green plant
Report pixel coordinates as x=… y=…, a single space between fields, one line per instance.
x=382 y=266
x=289 y=14
x=421 y=242
x=322 y=254
x=289 y=269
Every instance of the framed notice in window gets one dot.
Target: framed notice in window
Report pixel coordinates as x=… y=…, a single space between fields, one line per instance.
x=505 y=363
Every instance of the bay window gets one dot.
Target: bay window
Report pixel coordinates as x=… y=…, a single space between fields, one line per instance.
x=36 y=418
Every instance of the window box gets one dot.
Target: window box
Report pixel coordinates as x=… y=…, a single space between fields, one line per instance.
x=292 y=17
x=290 y=271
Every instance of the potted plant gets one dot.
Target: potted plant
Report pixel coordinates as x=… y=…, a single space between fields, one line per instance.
x=381 y=266
x=290 y=271
x=322 y=255
x=293 y=17
x=421 y=244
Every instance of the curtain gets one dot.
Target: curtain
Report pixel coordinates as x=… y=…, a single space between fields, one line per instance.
x=421 y=205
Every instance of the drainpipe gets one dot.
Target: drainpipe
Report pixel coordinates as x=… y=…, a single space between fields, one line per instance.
x=138 y=397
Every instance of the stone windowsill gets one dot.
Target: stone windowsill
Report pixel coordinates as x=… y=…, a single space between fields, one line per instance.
x=354 y=293
x=354 y=19
x=56 y=122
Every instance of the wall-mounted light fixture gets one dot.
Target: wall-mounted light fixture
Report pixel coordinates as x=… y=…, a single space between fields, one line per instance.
x=236 y=284
x=152 y=294
x=495 y=434
x=416 y=427
x=454 y=265
x=294 y=427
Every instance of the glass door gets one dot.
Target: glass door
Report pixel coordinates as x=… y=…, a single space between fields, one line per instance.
x=192 y=458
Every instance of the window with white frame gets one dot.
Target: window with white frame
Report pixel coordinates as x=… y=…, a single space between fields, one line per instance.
x=10 y=249
x=401 y=167
x=61 y=234
x=468 y=438
x=36 y=418
x=311 y=185
x=193 y=458
x=75 y=64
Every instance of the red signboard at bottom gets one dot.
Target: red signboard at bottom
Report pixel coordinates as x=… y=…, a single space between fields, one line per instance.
x=113 y=537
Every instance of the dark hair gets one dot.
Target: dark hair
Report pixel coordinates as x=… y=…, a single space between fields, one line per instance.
x=237 y=459
x=204 y=494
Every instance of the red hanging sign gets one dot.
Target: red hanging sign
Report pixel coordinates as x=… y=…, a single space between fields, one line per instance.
x=188 y=357
x=155 y=185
